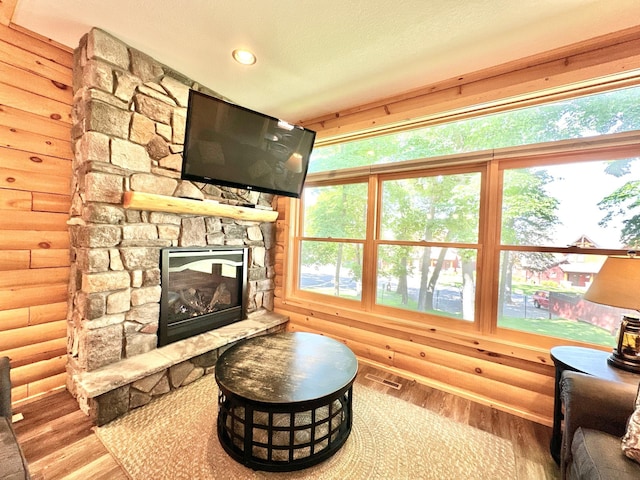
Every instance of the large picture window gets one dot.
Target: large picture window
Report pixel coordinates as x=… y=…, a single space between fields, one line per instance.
x=503 y=242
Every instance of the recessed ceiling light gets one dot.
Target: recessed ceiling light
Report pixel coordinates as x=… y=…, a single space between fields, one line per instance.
x=245 y=57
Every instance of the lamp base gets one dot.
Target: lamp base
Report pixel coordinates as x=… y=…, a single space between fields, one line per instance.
x=630 y=366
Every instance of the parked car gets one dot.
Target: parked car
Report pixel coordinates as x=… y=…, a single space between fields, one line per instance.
x=541 y=299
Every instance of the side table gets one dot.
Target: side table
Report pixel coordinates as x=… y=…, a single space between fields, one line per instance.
x=583 y=360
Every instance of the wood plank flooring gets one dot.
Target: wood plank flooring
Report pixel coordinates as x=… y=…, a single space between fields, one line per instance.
x=58 y=442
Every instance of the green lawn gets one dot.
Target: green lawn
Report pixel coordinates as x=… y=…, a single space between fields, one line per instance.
x=561 y=328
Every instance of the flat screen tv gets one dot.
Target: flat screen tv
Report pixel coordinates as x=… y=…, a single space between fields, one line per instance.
x=226 y=144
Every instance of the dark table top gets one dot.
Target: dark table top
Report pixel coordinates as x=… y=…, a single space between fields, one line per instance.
x=592 y=362
x=286 y=368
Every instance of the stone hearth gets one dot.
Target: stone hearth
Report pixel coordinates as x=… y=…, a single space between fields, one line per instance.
x=129 y=120
x=122 y=386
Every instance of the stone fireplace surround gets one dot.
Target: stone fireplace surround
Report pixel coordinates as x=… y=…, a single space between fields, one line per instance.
x=129 y=117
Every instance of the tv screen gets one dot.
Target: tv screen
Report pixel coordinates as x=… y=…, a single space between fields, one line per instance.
x=226 y=144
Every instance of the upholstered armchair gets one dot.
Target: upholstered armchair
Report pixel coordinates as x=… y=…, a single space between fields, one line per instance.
x=13 y=465
x=595 y=419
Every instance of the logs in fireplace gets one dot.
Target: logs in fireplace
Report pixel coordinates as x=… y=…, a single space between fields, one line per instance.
x=202 y=289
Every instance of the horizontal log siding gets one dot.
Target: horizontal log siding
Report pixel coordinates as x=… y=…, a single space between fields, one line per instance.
x=35 y=185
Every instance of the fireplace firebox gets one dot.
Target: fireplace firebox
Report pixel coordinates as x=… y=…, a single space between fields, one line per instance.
x=202 y=289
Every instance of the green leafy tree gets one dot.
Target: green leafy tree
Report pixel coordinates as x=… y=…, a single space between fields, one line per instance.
x=624 y=203
x=528 y=218
x=338 y=212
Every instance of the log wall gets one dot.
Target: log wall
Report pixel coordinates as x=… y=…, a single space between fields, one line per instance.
x=35 y=186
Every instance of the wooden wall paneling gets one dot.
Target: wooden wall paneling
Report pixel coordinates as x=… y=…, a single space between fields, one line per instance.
x=482 y=368
x=35 y=63
x=33 y=142
x=379 y=355
x=18 y=297
x=593 y=64
x=30 y=122
x=16 y=220
x=31 y=277
x=515 y=358
x=413 y=331
x=35 y=43
x=51 y=312
x=6 y=11
x=33 y=239
x=525 y=389
x=35 y=167
x=279 y=269
x=19 y=393
x=14 y=259
x=29 y=181
x=45 y=258
x=361 y=349
x=523 y=402
x=489 y=383
x=31 y=335
x=498 y=367
x=37 y=371
x=36 y=164
x=15 y=200
x=37 y=352
x=30 y=82
x=12 y=319
x=278 y=293
x=45 y=386
x=49 y=202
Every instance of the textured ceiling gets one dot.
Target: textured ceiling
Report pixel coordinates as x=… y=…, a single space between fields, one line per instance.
x=319 y=57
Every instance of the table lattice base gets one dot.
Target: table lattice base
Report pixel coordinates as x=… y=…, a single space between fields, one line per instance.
x=277 y=438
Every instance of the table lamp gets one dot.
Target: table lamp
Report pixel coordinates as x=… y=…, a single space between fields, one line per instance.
x=617 y=284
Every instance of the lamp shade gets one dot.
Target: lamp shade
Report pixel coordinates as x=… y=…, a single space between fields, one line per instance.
x=617 y=284
x=294 y=163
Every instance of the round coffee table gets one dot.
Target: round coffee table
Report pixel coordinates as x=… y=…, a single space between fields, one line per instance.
x=285 y=400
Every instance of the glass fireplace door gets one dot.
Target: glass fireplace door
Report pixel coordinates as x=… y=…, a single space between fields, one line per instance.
x=202 y=289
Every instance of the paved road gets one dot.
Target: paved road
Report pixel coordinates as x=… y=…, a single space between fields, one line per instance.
x=446 y=299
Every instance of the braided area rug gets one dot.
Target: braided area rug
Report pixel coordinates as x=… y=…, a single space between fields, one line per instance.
x=174 y=438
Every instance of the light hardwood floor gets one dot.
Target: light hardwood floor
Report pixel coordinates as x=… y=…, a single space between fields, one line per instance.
x=58 y=442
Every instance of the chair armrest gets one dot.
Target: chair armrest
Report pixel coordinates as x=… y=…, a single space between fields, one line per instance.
x=5 y=387
x=595 y=403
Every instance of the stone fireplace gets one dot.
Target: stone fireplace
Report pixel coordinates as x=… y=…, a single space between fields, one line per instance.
x=129 y=117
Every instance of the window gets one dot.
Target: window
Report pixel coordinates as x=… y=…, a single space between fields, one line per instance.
x=591 y=205
x=417 y=251
x=334 y=230
x=425 y=224
x=503 y=242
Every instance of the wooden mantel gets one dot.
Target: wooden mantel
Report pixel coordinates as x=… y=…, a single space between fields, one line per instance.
x=164 y=203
